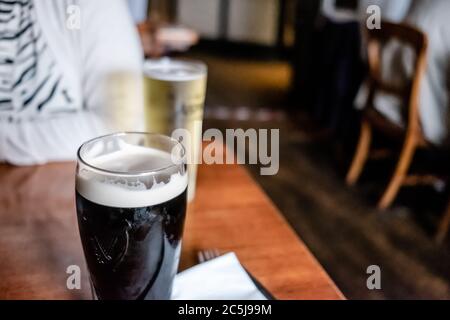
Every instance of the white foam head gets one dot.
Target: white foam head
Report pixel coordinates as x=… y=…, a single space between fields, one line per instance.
x=130 y=191
x=167 y=69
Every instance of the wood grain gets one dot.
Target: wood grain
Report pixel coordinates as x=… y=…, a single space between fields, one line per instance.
x=39 y=234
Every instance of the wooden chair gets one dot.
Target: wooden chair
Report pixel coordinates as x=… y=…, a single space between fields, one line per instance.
x=411 y=134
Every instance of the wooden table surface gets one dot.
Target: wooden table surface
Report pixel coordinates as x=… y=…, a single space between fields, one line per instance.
x=39 y=234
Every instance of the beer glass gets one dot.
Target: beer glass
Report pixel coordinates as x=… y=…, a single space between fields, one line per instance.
x=174 y=99
x=131 y=204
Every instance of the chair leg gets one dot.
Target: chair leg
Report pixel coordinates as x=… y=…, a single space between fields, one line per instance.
x=361 y=154
x=403 y=165
x=443 y=226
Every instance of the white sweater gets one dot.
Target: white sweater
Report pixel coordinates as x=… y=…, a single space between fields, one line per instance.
x=100 y=66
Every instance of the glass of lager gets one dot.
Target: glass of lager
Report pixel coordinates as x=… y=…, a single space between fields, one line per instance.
x=174 y=99
x=131 y=203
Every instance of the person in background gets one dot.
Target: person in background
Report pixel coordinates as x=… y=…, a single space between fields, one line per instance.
x=338 y=62
x=432 y=18
x=68 y=69
x=343 y=65
x=397 y=60
x=340 y=59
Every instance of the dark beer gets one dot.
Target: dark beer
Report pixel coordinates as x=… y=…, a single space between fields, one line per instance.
x=131 y=223
x=132 y=253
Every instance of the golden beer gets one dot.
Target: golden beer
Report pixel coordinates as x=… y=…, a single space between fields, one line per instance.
x=174 y=99
x=123 y=96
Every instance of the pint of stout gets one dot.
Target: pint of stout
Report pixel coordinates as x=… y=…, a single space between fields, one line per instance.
x=131 y=204
x=174 y=99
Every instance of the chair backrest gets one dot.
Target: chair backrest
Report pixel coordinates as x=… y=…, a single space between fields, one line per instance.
x=409 y=93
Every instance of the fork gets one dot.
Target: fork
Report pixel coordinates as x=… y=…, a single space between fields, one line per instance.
x=210 y=254
x=206 y=255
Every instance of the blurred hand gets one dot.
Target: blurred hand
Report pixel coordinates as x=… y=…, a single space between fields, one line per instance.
x=152 y=46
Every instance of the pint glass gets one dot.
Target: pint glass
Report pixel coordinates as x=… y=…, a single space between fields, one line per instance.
x=131 y=204
x=174 y=99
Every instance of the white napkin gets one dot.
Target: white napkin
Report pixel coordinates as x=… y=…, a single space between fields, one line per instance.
x=222 y=278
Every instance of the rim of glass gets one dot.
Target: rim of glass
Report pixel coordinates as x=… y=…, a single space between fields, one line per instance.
x=203 y=68
x=135 y=173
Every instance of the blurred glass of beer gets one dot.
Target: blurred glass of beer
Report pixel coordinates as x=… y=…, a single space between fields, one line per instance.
x=174 y=99
x=122 y=93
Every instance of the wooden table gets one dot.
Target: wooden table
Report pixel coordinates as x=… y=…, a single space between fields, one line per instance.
x=39 y=234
